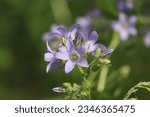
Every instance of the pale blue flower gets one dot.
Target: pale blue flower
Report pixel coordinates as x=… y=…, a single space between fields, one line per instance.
x=125 y=5
x=72 y=56
x=90 y=44
x=125 y=26
x=94 y=13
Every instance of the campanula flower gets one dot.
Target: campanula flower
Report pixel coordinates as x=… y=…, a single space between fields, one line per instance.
x=125 y=5
x=72 y=56
x=125 y=26
x=90 y=42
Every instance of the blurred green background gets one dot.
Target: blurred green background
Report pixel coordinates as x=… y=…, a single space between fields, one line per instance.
x=22 y=65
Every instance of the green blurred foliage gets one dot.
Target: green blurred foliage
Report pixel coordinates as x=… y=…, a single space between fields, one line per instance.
x=22 y=68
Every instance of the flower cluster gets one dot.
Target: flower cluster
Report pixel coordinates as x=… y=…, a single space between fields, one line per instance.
x=70 y=48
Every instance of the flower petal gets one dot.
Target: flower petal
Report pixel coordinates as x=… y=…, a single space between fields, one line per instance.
x=81 y=50
x=63 y=31
x=102 y=47
x=75 y=27
x=73 y=31
x=132 y=31
x=93 y=47
x=116 y=26
x=122 y=17
x=69 y=66
x=84 y=35
x=124 y=35
x=53 y=65
x=93 y=37
x=49 y=48
x=83 y=63
x=62 y=54
x=70 y=46
x=133 y=20
x=48 y=56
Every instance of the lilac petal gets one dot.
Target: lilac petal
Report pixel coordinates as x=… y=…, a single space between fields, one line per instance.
x=84 y=35
x=83 y=63
x=102 y=47
x=93 y=48
x=124 y=35
x=116 y=26
x=53 y=65
x=122 y=17
x=54 y=34
x=48 y=56
x=69 y=66
x=49 y=48
x=132 y=31
x=70 y=46
x=132 y=20
x=81 y=50
x=63 y=31
x=62 y=54
x=130 y=5
x=93 y=37
x=94 y=13
x=74 y=29
x=54 y=27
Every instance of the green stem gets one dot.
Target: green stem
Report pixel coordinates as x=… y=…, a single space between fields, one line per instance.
x=85 y=81
x=115 y=40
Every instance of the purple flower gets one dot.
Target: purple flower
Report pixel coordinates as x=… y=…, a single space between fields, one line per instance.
x=72 y=56
x=94 y=13
x=89 y=44
x=125 y=26
x=69 y=34
x=125 y=5
x=147 y=39
x=50 y=57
